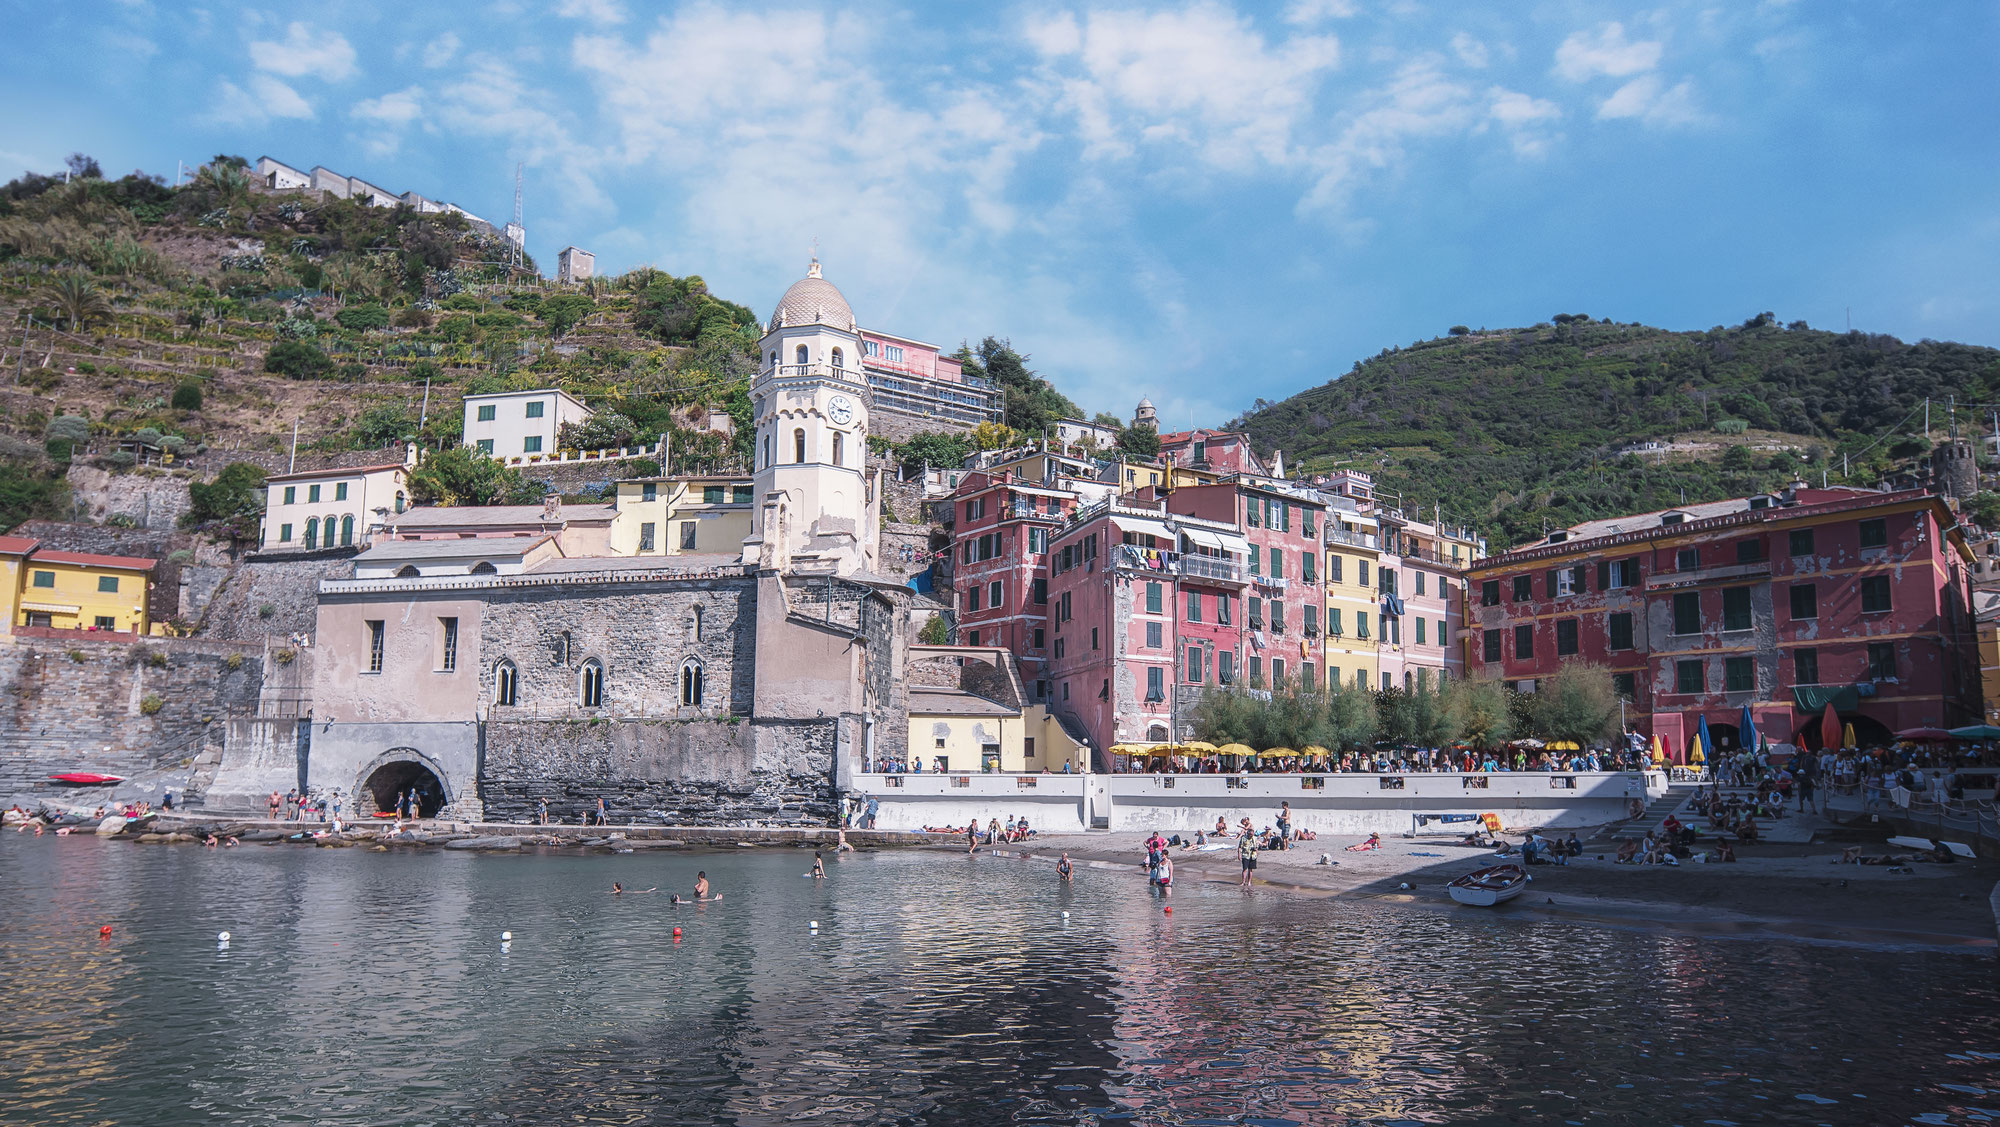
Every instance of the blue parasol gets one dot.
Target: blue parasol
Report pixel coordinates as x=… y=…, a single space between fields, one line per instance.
x=1707 y=744
x=1747 y=731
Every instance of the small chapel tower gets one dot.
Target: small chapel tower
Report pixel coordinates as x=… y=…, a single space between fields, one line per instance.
x=817 y=508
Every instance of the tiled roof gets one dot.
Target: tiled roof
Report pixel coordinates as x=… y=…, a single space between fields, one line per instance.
x=17 y=545
x=337 y=471
x=478 y=547
x=86 y=559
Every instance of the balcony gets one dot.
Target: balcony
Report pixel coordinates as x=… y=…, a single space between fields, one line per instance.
x=1218 y=568
x=1023 y=510
x=1353 y=539
x=1728 y=573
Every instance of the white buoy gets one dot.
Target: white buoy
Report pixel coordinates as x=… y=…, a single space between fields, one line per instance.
x=222 y=937
x=815 y=925
x=1065 y=915
x=506 y=937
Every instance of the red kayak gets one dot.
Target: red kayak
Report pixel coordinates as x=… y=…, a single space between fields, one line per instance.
x=87 y=779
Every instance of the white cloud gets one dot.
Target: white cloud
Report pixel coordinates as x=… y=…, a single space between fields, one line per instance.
x=1470 y=51
x=1200 y=77
x=387 y=117
x=1608 y=54
x=1318 y=11
x=1420 y=102
x=439 y=51
x=601 y=12
x=305 y=51
x=1650 y=99
x=1522 y=118
x=265 y=99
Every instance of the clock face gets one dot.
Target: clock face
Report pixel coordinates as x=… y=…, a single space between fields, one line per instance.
x=840 y=409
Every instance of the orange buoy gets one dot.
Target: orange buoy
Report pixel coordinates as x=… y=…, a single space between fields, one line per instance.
x=104 y=932
x=1170 y=909
x=677 y=933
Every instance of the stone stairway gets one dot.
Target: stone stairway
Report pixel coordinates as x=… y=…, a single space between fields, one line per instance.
x=1676 y=796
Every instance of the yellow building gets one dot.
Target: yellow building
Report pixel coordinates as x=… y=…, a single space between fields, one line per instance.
x=955 y=730
x=13 y=554
x=1353 y=598
x=661 y=516
x=81 y=591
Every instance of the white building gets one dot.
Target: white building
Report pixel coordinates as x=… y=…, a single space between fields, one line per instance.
x=337 y=508
x=818 y=508
x=509 y=424
x=575 y=264
x=1075 y=432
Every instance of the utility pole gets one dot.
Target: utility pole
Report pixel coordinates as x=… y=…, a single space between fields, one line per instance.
x=22 y=360
x=293 y=463
x=424 y=412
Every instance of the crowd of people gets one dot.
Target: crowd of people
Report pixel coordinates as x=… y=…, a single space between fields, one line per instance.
x=1394 y=761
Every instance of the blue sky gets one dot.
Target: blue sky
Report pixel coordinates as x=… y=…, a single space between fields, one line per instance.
x=1203 y=203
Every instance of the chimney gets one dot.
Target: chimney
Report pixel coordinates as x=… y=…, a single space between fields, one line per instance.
x=552 y=506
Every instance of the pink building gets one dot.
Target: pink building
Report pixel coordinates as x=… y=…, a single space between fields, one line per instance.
x=1284 y=598
x=1423 y=600
x=1782 y=604
x=999 y=566
x=1217 y=451
x=1146 y=611
x=910 y=377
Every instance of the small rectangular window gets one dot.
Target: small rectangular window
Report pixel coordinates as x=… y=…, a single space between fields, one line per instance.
x=375 y=645
x=713 y=494
x=1875 y=533
x=535 y=409
x=1306 y=567
x=1805 y=600
x=1881 y=661
x=1334 y=565
x=1156 y=685
x=340 y=491
x=1420 y=628
x=1805 y=667
x=1489 y=593
x=1626 y=685
x=1153 y=636
x=291 y=494
x=1565 y=637
x=1093 y=637
x=45 y=579
x=1749 y=551
x=1524 y=642
x=1360 y=572
x=1222 y=611
x=1874 y=594
x=1490 y=645
x=486 y=447
x=646 y=534
x=486 y=412
x=1277 y=617
x=1736 y=608
x=687 y=535
x=1618 y=630
x=972 y=594
x=1194 y=606
x=1524 y=588
x=1225 y=666
x=312 y=494
x=1687 y=676
x=1194 y=666
x=448 y=644
x=1277 y=564
x=649 y=491
x=284 y=534
x=107 y=584
x=531 y=444
x=1800 y=542
x=1153 y=602
x=1687 y=559
x=1739 y=674
x=105 y=622
x=994 y=600
x=1687 y=613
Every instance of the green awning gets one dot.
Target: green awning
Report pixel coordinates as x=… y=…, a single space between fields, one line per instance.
x=1815 y=698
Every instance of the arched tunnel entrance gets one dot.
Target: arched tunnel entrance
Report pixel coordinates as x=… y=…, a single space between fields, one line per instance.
x=385 y=787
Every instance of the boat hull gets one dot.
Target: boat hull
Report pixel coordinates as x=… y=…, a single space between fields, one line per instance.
x=1488 y=887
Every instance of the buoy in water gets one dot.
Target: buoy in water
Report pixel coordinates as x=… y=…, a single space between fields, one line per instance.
x=1065 y=915
x=104 y=932
x=815 y=925
x=1170 y=909
x=677 y=933
x=506 y=937
x=222 y=937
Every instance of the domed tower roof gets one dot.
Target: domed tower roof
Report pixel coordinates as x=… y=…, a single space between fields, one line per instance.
x=813 y=300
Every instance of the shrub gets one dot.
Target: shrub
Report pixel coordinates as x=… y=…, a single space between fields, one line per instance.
x=187 y=397
x=233 y=662
x=1461 y=330
x=268 y=610
x=76 y=656
x=413 y=317
x=285 y=657
x=157 y=659
x=363 y=317
x=297 y=359
x=152 y=703
x=935 y=632
x=231 y=504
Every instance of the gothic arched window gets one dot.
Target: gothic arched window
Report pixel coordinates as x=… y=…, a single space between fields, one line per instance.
x=838 y=444
x=798 y=448
x=836 y=358
x=590 y=684
x=506 y=684
x=691 y=683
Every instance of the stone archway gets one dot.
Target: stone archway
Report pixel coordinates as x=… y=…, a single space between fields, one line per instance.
x=388 y=776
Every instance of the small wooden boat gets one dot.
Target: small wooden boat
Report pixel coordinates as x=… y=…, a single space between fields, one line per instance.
x=1489 y=886
x=87 y=779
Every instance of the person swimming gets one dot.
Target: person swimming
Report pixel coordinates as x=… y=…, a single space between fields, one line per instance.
x=819 y=866
x=700 y=891
x=1064 y=869
x=620 y=890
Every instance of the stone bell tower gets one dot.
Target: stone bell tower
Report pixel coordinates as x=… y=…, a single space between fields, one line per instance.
x=817 y=508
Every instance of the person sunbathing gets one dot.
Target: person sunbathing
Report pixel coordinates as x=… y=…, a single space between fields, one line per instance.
x=1748 y=830
x=1850 y=856
x=1374 y=842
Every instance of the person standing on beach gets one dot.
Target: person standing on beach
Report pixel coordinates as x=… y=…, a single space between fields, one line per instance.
x=603 y=815
x=1284 y=825
x=972 y=836
x=277 y=803
x=1246 y=852
x=1807 y=777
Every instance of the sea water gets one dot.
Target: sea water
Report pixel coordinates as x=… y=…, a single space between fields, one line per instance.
x=374 y=988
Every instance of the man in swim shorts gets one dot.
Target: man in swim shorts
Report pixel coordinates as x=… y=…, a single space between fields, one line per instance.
x=1246 y=852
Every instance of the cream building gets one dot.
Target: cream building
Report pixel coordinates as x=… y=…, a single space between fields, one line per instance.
x=336 y=508
x=660 y=516
x=818 y=508
x=520 y=425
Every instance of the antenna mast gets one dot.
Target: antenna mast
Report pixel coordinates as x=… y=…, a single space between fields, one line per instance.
x=520 y=233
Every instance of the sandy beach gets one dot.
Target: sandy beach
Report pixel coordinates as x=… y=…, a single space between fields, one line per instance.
x=1776 y=889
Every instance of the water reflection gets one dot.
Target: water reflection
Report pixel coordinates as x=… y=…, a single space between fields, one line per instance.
x=939 y=989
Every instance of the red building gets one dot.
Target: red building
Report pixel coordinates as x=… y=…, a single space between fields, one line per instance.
x=1000 y=528
x=1217 y=451
x=1782 y=603
x=1284 y=600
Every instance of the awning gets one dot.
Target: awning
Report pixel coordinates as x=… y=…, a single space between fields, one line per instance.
x=1203 y=537
x=1233 y=544
x=52 y=608
x=1812 y=698
x=1143 y=526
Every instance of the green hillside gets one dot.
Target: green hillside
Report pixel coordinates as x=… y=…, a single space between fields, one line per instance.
x=1517 y=428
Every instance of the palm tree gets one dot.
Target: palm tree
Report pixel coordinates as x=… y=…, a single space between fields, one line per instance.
x=78 y=299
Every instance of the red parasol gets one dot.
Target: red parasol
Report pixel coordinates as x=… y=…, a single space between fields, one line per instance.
x=1829 y=728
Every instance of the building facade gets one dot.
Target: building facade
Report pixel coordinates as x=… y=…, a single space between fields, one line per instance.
x=513 y=425
x=574 y=264
x=78 y=590
x=999 y=566
x=919 y=385
x=336 y=508
x=1783 y=604
x=1285 y=596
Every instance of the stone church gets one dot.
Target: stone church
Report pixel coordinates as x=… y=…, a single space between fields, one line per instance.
x=689 y=689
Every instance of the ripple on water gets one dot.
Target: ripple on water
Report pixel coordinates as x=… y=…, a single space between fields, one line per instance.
x=363 y=989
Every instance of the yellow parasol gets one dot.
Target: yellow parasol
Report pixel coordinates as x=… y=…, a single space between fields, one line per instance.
x=1201 y=747
x=1847 y=736
x=1659 y=752
x=1236 y=749
x=1314 y=751
x=1563 y=745
x=1696 y=756
x=1130 y=749
x=1278 y=753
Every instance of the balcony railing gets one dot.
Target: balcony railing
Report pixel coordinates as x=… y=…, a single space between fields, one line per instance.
x=1357 y=539
x=1211 y=567
x=1022 y=510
